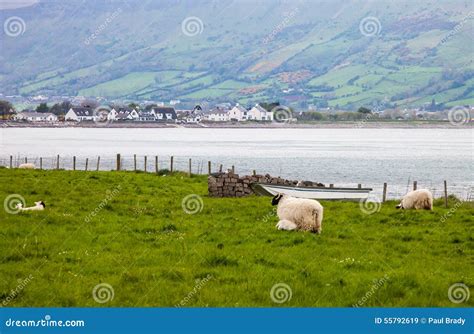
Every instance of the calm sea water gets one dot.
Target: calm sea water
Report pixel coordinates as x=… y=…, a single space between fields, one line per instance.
x=339 y=156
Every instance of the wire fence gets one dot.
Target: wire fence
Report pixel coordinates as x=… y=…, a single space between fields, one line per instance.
x=200 y=166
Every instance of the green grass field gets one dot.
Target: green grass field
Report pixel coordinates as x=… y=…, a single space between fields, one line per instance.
x=129 y=230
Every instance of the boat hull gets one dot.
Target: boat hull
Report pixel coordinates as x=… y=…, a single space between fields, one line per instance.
x=323 y=193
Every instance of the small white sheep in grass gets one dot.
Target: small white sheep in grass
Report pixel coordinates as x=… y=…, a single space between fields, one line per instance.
x=298 y=213
x=27 y=166
x=38 y=207
x=417 y=199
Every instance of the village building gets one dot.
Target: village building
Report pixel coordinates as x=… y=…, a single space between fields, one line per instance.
x=80 y=114
x=258 y=113
x=165 y=114
x=238 y=113
x=33 y=116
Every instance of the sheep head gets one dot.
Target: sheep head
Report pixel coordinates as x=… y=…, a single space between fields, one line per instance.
x=276 y=199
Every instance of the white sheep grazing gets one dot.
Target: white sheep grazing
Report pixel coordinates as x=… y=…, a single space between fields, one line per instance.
x=27 y=166
x=417 y=199
x=38 y=207
x=298 y=213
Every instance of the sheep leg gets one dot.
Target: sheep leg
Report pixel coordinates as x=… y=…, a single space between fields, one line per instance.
x=286 y=225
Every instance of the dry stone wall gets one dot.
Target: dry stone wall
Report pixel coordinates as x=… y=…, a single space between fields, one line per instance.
x=233 y=185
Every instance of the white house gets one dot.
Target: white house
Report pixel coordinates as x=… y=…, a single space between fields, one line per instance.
x=238 y=113
x=147 y=116
x=79 y=114
x=123 y=114
x=218 y=115
x=259 y=113
x=32 y=116
x=165 y=114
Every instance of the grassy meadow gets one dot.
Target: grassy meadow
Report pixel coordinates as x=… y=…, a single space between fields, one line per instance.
x=130 y=231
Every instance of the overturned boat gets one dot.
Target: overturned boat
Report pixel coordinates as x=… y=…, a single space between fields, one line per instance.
x=324 y=193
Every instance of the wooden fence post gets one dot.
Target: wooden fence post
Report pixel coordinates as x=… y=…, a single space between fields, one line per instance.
x=254 y=172
x=26 y=160
x=87 y=163
x=98 y=162
x=189 y=172
x=208 y=168
x=11 y=161
x=233 y=169
x=41 y=163
x=445 y=194
x=134 y=162
x=415 y=183
x=144 y=161
x=74 y=163
x=156 y=164
x=384 y=195
x=171 y=164
x=57 y=162
x=118 y=161
x=220 y=168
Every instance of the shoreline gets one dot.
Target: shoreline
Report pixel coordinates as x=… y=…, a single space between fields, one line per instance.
x=319 y=125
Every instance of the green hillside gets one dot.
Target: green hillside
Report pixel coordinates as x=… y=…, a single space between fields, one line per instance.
x=299 y=53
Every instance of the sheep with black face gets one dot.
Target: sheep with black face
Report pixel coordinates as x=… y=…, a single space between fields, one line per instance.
x=298 y=213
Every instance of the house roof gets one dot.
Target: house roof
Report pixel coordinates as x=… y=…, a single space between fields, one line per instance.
x=146 y=114
x=165 y=110
x=35 y=114
x=218 y=111
x=82 y=111
x=241 y=109
x=260 y=108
